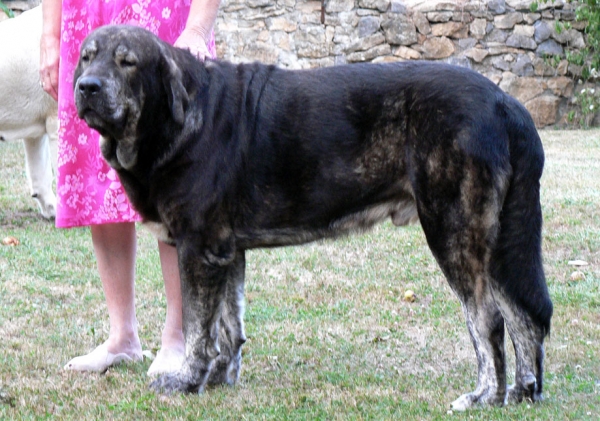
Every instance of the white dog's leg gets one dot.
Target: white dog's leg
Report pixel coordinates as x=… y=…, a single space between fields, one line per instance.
x=39 y=173
x=52 y=130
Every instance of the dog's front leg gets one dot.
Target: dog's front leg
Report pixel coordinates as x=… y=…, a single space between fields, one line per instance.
x=203 y=288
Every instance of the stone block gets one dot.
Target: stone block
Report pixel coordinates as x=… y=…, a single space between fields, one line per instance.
x=523 y=88
x=496 y=48
x=257 y=3
x=543 y=110
x=380 y=50
x=494 y=77
x=525 y=30
x=522 y=66
x=366 y=43
x=437 y=17
x=450 y=29
x=421 y=23
x=311 y=41
x=564 y=15
x=542 y=68
x=466 y=43
x=561 y=86
x=507 y=79
x=399 y=29
x=261 y=51
x=571 y=37
x=368 y=25
x=482 y=14
x=308 y=6
x=387 y=59
x=434 y=5
x=397 y=7
x=531 y=18
x=281 y=24
x=497 y=7
x=381 y=5
x=521 y=41
x=477 y=54
x=508 y=21
x=407 y=53
x=336 y=6
x=478 y=28
x=462 y=17
x=542 y=31
x=497 y=35
x=437 y=48
x=500 y=63
x=549 y=48
x=562 y=68
x=459 y=61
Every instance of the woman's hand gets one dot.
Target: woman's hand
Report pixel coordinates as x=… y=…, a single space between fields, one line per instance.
x=49 y=60
x=195 y=41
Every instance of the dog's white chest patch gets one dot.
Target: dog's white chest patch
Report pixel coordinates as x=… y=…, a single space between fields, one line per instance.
x=159 y=230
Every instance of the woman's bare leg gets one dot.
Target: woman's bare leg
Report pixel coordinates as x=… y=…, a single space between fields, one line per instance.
x=115 y=248
x=172 y=351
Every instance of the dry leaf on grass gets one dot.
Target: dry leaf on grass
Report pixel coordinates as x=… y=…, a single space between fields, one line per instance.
x=10 y=241
x=409 y=296
x=577 y=276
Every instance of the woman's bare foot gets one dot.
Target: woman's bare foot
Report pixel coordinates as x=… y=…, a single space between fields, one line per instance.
x=168 y=360
x=100 y=359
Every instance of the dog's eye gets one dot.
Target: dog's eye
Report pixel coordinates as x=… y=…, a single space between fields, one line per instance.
x=85 y=58
x=127 y=62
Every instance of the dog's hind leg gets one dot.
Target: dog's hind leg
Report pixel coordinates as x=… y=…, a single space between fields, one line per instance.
x=516 y=265
x=38 y=164
x=520 y=287
x=486 y=328
x=527 y=335
x=466 y=273
x=459 y=215
x=226 y=369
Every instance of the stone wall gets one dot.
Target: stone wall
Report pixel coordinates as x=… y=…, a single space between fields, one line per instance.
x=501 y=39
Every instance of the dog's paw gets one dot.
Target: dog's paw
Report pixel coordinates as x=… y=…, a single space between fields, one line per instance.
x=471 y=400
x=225 y=372
x=168 y=384
x=527 y=389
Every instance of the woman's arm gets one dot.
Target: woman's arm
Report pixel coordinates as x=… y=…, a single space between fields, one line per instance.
x=199 y=26
x=50 y=46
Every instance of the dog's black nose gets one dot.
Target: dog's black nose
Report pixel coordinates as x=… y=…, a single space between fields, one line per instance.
x=89 y=85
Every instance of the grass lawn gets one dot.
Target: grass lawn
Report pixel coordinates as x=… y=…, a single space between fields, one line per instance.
x=329 y=334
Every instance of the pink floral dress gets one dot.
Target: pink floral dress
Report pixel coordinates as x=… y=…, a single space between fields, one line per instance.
x=89 y=191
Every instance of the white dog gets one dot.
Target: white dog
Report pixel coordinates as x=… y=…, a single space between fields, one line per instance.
x=26 y=111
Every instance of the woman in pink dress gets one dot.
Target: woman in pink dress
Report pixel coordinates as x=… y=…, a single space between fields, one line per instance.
x=89 y=191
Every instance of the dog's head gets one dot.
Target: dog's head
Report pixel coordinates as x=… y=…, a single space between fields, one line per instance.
x=124 y=78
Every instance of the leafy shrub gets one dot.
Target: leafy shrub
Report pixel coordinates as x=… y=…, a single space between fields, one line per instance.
x=6 y=10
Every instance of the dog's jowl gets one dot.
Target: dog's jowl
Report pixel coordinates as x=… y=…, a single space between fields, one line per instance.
x=220 y=158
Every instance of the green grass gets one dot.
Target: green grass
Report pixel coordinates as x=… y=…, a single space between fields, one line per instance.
x=329 y=335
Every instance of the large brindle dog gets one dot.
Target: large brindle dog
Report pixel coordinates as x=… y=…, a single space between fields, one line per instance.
x=221 y=158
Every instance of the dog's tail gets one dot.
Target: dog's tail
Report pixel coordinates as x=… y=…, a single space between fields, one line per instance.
x=517 y=258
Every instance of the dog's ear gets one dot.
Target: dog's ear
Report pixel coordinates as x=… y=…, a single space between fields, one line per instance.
x=172 y=79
